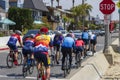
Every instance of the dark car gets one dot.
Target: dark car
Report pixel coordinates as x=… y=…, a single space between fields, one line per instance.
x=35 y=31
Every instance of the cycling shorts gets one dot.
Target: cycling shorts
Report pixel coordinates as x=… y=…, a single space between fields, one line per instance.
x=79 y=48
x=86 y=41
x=94 y=42
x=41 y=57
x=13 y=47
x=27 y=50
x=57 y=47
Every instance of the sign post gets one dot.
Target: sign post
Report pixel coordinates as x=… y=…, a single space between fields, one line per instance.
x=107 y=7
x=118 y=5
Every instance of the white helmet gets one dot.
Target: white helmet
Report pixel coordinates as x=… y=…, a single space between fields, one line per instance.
x=18 y=32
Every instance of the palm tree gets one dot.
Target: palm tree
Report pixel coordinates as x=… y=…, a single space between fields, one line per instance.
x=81 y=11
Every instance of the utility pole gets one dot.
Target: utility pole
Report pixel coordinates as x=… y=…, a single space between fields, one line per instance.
x=73 y=1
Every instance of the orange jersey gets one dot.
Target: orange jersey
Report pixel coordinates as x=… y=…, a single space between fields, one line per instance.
x=43 y=40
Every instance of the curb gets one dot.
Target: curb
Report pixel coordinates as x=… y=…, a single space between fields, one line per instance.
x=3 y=49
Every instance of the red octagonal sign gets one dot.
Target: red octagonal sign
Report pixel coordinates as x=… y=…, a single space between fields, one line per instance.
x=107 y=6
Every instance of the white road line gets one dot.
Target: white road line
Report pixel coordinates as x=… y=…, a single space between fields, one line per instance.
x=28 y=77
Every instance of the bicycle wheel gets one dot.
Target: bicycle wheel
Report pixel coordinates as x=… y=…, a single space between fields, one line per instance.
x=31 y=67
x=65 y=67
x=78 y=60
x=9 y=60
x=24 y=70
x=19 y=58
x=52 y=58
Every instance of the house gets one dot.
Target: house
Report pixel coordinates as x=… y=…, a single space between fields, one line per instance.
x=38 y=8
x=2 y=16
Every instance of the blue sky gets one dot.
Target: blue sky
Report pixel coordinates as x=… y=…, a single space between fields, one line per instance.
x=67 y=4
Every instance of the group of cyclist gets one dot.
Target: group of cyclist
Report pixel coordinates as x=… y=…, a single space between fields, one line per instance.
x=38 y=45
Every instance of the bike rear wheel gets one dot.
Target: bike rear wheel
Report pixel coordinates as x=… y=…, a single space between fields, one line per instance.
x=66 y=67
x=19 y=58
x=25 y=68
x=9 y=60
x=78 y=60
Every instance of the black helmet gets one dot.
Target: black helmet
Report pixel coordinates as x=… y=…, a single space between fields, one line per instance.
x=69 y=35
x=18 y=32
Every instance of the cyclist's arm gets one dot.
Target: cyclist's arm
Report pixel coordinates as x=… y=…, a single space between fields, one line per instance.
x=19 y=40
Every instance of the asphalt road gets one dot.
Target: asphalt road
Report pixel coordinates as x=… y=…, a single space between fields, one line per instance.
x=15 y=73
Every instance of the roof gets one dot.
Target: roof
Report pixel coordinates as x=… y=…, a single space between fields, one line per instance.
x=1 y=10
x=35 y=4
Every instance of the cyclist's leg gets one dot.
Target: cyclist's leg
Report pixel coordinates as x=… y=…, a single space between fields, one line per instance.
x=69 y=51
x=63 y=50
x=94 y=46
x=24 y=55
x=45 y=60
x=57 y=53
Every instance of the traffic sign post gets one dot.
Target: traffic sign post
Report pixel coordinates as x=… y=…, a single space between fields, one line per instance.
x=118 y=5
x=107 y=7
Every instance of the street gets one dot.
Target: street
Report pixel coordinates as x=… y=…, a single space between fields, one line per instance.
x=15 y=73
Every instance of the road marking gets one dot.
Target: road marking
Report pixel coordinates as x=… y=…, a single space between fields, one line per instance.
x=28 y=77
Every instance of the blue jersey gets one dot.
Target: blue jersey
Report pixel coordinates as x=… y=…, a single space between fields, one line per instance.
x=68 y=42
x=85 y=35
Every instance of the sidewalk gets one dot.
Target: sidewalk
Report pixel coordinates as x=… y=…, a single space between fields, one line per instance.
x=3 y=47
x=113 y=71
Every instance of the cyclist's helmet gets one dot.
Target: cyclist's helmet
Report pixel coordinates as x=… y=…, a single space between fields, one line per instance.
x=80 y=37
x=44 y=30
x=18 y=32
x=68 y=35
x=32 y=35
x=58 y=32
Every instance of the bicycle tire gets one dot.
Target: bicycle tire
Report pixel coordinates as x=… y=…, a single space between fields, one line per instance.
x=52 y=57
x=31 y=69
x=9 y=59
x=78 y=60
x=25 y=68
x=66 y=67
x=19 y=58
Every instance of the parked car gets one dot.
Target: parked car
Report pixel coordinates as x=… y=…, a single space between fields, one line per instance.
x=35 y=31
x=102 y=33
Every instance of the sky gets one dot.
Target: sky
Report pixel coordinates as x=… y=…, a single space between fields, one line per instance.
x=67 y=4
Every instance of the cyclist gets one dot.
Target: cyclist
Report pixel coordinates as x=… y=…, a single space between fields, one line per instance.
x=85 y=38
x=12 y=43
x=56 y=43
x=79 y=46
x=93 y=41
x=67 y=48
x=28 y=47
x=71 y=32
x=41 y=50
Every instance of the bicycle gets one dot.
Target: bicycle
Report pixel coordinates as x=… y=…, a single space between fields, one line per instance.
x=78 y=59
x=11 y=58
x=41 y=75
x=67 y=67
x=28 y=67
x=52 y=57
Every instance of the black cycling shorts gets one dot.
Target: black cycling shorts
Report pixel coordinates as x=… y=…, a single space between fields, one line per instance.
x=41 y=57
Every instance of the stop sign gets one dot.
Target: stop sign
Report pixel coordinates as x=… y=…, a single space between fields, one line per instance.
x=107 y=6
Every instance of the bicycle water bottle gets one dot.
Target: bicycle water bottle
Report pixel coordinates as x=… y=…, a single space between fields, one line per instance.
x=29 y=61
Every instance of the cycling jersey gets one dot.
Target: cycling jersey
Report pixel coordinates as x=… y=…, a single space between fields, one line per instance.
x=85 y=35
x=79 y=43
x=57 y=39
x=28 y=46
x=13 y=40
x=42 y=43
x=93 y=37
x=68 y=42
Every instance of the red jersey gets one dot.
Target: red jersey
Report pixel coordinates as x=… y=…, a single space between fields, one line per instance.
x=79 y=43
